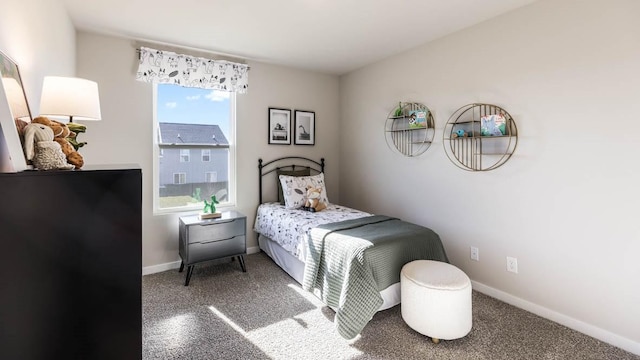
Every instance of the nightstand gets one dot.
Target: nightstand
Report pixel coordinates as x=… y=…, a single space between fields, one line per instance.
x=211 y=239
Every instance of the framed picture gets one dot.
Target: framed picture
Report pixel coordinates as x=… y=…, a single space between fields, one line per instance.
x=305 y=129
x=14 y=113
x=279 y=126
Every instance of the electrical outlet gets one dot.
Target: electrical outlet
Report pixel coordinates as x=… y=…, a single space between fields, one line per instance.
x=475 y=253
x=512 y=264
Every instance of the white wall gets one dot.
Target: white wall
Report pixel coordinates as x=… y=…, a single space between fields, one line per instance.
x=567 y=70
x=26 y=36
x=125 y=133
x=565 y=205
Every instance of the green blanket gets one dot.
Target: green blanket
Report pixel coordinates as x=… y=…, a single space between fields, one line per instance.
x=349 y=262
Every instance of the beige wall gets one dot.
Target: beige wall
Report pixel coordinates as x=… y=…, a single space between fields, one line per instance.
x=565 y=205
x=125 y=133
x=26 y=36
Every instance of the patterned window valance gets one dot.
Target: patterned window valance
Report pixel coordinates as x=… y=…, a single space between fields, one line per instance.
x=157 y=66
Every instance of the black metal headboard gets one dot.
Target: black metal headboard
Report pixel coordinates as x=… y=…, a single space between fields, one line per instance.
x=286 y=163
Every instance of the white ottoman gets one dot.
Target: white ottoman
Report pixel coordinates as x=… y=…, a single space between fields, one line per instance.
x=436 y=299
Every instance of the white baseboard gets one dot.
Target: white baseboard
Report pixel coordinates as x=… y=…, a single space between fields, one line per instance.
x=253 y=250
x=148 y=270
x=588 y=329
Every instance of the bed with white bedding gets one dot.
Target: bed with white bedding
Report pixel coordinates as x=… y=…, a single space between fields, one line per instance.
x=285 y=235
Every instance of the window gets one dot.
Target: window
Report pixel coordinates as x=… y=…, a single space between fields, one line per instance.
x=211 y=177
x=185 y=155
x=179 y=178
x=206 y=155
x=191 y=121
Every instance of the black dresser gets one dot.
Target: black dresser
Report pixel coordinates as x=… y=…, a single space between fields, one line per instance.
x=71 y=264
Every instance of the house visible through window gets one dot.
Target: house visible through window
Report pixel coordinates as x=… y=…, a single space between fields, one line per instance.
x=206 y=155
x=211 y=177
x=185 y=155
x=179 y=178
x=193 y=121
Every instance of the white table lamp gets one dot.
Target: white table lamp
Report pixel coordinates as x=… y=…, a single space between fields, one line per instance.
x=75 y=98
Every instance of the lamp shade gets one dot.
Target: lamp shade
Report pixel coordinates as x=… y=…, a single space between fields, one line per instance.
x=73 y=97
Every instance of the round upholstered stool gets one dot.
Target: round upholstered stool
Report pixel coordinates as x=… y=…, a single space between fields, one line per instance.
x=436 y=299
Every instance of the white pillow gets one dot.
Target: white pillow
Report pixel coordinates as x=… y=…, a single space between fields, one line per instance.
x=294 y=189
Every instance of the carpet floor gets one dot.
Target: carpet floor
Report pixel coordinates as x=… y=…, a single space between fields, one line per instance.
x=264 y=314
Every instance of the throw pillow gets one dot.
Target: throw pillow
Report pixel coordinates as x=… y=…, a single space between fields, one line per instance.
x=303 y=172
x=295 y=189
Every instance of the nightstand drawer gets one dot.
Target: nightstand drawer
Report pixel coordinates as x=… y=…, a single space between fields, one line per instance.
x=202 y=233
x=221 y=248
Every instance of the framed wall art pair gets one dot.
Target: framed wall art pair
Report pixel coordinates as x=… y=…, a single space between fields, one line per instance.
x=281 y=130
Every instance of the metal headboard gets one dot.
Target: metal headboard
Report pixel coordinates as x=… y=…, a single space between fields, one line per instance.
x=288 y=164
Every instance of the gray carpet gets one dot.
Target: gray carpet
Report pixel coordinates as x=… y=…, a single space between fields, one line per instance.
x=264 y=314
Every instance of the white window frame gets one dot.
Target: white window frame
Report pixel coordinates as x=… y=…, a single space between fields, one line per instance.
x=231 y=190
x=207 y=176
x=208 y=154
x=185 y=155
x=181 y=176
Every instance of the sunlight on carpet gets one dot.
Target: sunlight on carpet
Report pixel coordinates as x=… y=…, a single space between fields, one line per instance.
x=176 y=330
x=317 y=326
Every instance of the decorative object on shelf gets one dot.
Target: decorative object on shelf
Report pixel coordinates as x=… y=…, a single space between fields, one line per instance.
x=305 y=127
x=480 y=137
x=459 y=133
x=209 y=211
x=39 y=147
x=492 y=125
x=279 y=126
x=398 y=111
x=61 y=134
x=14 y=115
x=417 y=119
x=410 y=128
x=73 y=137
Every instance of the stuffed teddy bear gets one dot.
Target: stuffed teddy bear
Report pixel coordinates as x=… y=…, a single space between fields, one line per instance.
x=39 y=147
x=60 y=134
x=313 y=202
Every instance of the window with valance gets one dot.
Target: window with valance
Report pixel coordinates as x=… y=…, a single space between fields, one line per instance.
x=194 y=100
x=166 y=67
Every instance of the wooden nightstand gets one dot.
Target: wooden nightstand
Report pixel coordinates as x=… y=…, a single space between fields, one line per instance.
x=211 y=239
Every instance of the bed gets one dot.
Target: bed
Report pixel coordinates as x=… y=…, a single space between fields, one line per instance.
x=348 y=258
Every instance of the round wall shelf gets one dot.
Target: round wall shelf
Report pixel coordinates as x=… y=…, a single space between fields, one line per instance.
x=480 y=137
x=410 y=128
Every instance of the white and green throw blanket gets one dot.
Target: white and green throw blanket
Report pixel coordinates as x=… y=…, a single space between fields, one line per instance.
x=349 y=262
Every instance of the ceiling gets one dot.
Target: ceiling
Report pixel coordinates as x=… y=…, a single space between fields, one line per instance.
x=328 y=36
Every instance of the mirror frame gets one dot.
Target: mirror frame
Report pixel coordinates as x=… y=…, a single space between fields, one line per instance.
x=13 y=107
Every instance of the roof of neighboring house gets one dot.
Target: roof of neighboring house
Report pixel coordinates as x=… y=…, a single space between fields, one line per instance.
x=174 y=133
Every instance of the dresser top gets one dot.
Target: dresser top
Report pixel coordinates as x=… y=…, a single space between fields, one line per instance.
x=226 y=216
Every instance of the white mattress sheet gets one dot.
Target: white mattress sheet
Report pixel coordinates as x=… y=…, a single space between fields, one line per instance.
x=290 y=227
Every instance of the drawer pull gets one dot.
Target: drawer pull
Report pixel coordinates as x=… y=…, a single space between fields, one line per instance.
x=219 y=222
x=212 y=241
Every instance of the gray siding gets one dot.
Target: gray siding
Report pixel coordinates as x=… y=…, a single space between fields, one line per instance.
x=195 y=168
